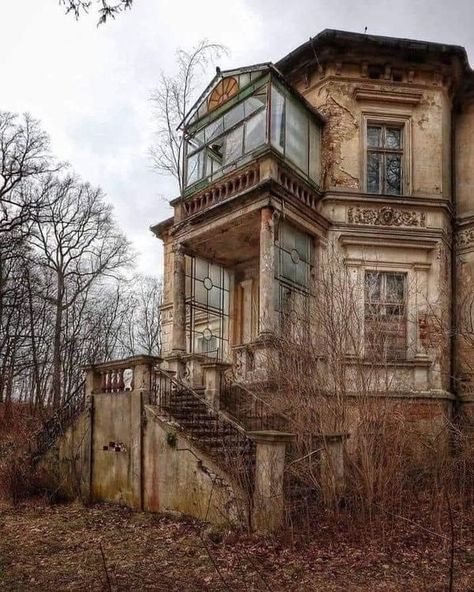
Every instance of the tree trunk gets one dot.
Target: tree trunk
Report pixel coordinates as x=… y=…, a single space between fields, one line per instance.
x=58 y=322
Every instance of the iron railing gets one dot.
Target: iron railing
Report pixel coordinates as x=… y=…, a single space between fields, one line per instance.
x=253 y=412
x=57 y=424
x=223 y=439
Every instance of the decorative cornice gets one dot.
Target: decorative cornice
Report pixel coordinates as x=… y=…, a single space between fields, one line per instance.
x=387 y=96
x=385 y=216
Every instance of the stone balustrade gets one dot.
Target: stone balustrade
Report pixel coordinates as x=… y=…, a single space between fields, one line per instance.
x=118 y=376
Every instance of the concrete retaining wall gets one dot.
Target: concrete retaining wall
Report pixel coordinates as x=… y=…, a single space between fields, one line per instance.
x=121 y=451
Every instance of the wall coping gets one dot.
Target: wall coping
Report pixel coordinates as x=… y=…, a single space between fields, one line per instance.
x=271 y=436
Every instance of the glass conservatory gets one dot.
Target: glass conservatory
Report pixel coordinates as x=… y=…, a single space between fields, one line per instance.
x=246 y=112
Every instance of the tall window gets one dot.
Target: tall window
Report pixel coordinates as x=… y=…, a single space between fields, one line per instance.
x=385 y=315
x=293 y=250
x=207 y=307
x=384 y=159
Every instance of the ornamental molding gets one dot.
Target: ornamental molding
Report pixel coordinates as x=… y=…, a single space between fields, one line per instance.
x=385 y=216
x=388 y=96
x=465 y=238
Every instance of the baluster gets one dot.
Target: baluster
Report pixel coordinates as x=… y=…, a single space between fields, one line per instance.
x=103 y=381
x=120 y=384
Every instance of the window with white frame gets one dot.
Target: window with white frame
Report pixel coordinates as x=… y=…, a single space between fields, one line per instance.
x=385 y=152
x=385 y=327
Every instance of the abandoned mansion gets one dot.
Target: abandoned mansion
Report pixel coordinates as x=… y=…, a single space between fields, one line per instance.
x=323 y=238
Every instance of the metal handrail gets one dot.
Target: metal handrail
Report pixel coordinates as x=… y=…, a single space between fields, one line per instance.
x=221 y=437
x=56 y=425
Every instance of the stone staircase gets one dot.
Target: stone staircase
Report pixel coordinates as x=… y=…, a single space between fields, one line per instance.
x=221 y=438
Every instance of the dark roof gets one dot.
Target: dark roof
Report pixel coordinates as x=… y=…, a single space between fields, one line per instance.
x=334 y=39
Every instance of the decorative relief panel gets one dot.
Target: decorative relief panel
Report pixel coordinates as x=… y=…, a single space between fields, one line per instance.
x=385 y=216
x=465 y=238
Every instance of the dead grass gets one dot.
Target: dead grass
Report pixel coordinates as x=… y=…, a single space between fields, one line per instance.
x=46 y=548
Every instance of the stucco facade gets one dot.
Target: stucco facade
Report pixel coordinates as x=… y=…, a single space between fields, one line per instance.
x=364 y=153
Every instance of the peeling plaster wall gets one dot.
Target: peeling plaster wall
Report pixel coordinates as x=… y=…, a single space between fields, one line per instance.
x=139 y=460
x=342 y=142
x=177 y=477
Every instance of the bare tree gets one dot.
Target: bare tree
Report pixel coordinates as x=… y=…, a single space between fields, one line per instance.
x=77 y=243
x=141 y=332
x=105 y=8
x=172 y=101
x=24 y=157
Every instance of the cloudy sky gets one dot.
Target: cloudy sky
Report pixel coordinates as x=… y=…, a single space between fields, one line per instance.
x=90 y=86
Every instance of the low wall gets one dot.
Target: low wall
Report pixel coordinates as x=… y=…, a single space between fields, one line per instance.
x=121 y=451
x=178 y=477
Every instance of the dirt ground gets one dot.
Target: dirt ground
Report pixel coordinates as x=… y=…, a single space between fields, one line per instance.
x=69 y=547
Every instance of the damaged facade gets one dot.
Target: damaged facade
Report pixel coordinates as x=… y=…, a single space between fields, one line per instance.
x=356 y=143
x=341 y=174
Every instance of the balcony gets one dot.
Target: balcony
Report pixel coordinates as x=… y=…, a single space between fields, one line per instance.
x=250 y=128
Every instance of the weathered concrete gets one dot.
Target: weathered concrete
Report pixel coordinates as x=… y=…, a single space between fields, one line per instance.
x=268 y=498
x=178 y=477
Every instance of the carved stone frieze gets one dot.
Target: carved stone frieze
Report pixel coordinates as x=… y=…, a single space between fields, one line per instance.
x=386 y=216
x=465 y=238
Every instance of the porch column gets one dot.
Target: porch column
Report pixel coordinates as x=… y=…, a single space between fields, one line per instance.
x=179 y=307
x=267 y=316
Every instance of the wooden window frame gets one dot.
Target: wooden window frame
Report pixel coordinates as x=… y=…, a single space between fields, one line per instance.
x=387 y=120
x=386 y=351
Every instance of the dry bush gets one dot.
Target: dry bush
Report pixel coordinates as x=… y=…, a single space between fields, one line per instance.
x=326 y=380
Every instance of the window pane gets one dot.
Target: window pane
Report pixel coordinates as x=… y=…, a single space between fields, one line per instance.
x=374 y=136
x=201 y=268
x=297 y=135
x=393 y=174
x=255 y=131
x=395 y=287
x=233 y=145
x=233 y=116
x=255 y=102
x=314 y=152
x=194 y=168
x=278 y=120
x=373 y=286
x=214 y=129
x=373 y=172
x=393 y=138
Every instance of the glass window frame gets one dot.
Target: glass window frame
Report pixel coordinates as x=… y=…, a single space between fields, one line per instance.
x=226 y=132
x=383 y=152
x=391 y=343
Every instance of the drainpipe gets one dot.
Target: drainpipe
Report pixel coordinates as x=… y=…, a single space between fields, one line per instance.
x=454 y=321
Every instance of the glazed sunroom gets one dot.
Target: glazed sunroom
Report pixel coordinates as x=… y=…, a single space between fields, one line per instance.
x=240 y=248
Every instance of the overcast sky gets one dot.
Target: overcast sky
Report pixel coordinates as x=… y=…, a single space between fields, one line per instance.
x=90 y=86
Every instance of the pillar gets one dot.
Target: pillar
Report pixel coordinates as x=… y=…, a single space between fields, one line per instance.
x=212 y=377
x=179 y=306
x=268 y=495
x=267 y=318
x=332 y=467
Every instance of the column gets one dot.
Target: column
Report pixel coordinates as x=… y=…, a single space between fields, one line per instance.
x=268 y=496
x=179 y=306
x=267 y=317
